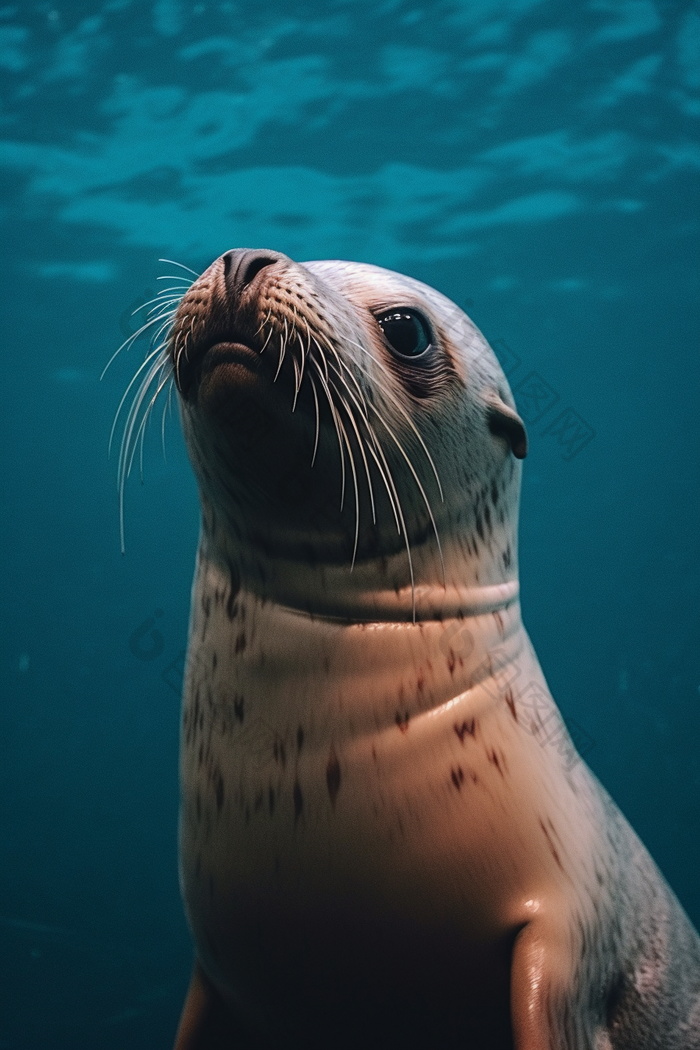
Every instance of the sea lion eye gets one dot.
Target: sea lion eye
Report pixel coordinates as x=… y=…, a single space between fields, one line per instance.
x=406 y=331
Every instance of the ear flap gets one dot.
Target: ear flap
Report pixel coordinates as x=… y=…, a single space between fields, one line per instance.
x=505 y=422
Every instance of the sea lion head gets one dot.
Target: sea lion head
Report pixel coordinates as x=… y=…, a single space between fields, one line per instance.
x=351 y=431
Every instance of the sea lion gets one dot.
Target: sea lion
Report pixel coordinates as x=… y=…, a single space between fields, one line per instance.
x=386 y=838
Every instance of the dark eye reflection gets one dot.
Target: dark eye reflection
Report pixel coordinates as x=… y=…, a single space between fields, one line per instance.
x=407 y=333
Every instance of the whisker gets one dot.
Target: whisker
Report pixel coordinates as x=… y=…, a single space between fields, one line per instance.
x=417 y=480
x=157 y=370
x=388 y=478
x=334 y=416
x=404 y=413
x=318 y=421
x=263 y=323
x=167 y=409
x=390 y=488
x=160 y=302
x=178 y=354
x=126 y=345
x=161 y=382
x=302 y=363
x=382 y=467
x=126 y=394
x=283 y=350
x=181 y=265
x=269 y=336
x=353 y=423
x=344 y=367
x=134 y=430
x=166 y=324
x=361 y=406
x=128 y=449
x=353 y=471
x=395 y=501
x=406 y=456
x=323 y=357
x=297 y=382
x=377 y=452
x=305 y=353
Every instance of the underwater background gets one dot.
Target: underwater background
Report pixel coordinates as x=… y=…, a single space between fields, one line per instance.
x=535 y=160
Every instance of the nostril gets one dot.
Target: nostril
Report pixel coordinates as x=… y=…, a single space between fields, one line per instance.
x=242 y=265
x=254 y=267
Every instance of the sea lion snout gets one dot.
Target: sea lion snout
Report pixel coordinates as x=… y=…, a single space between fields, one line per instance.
x=242 y=265
x=258 y=300
x=220 y=310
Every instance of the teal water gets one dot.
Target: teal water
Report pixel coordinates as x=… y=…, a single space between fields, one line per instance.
x=537 y=162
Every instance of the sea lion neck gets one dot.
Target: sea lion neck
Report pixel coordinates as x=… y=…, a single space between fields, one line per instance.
x=281 y=655
x=371 y=591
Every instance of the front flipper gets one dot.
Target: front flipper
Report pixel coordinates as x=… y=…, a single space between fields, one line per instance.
x=546 y=1001
x=566 y=998
x=206 y=1022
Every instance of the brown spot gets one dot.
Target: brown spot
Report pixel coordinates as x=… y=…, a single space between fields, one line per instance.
x=234 y=588
x=420 y=682
x=468 y=726
x=279 y=753
x=494 y=760
x=552 y=848
x=457 y=777
x=402 y=720
x=240 y=643
x=298 y=800
x=333 y=776
x=510 y=700
x=451 y=662
x=219 y=789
